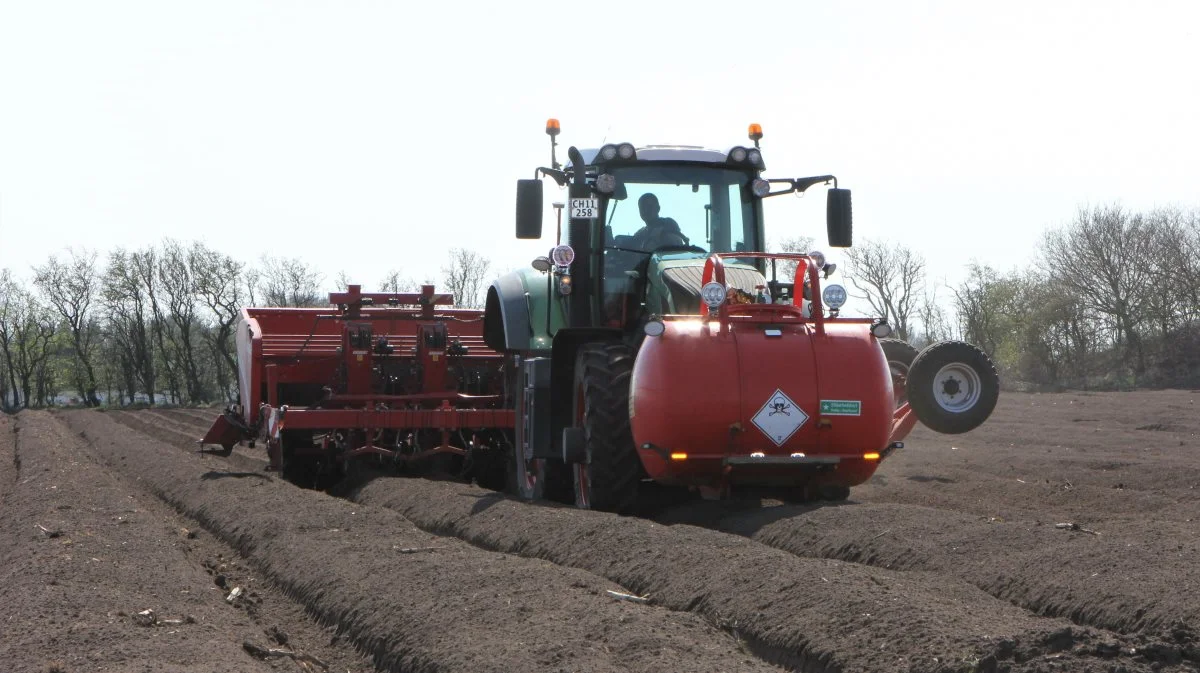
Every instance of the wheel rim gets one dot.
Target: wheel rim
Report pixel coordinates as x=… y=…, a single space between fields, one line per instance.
x=583 y=486
x=957 y=387
x=583 y=471
x=528 y=474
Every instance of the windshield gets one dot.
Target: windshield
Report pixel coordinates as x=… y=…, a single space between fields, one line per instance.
x=673 y=208
x=706 y=207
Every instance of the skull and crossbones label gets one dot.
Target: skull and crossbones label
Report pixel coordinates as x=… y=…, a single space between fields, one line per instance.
x=779 y=418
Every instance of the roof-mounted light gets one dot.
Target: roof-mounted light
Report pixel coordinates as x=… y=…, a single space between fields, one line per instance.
x=755 y=132
x=623 y=151
x=552 y=128
x=738 y=154
x=755 y=157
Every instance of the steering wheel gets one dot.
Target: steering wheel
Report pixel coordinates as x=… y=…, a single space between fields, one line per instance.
x=675 y=247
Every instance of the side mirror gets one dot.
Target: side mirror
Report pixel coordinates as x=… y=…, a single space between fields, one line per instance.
x=838 y=219
x=529 y=208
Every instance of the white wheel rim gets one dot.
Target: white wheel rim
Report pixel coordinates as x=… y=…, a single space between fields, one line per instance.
x=583 y=487
x=957 y=388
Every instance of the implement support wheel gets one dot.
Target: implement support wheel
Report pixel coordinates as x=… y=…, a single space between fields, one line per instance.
x=953 y=387
x=609 y=478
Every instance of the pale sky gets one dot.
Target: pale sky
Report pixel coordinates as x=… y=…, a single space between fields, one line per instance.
x=365 y=136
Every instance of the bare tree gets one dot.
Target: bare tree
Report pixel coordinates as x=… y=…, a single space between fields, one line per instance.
x=179 y=292
x=70 y=288
x=890 y=277
x=935 y=324
x=394 y=283
x=1101 y=256
x=253 y=278
x=27 y=329
x=145 y=264
x=218 y=282
x=465 y=276
x=8 y=319
x=289 y=282
x=786 y=270
x=128 y=313
x=982 y=303
x=1173 y=295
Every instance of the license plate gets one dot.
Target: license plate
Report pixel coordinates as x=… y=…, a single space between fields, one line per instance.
x=585 y=208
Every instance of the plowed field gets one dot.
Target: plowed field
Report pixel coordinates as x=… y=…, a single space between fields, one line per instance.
x=1061 y=536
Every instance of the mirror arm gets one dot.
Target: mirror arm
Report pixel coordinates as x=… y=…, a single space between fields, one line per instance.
x=799 y=184
x=557 y=175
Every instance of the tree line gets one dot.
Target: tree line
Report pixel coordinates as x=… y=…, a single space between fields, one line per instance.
x=1110 y=300
x=156 y=325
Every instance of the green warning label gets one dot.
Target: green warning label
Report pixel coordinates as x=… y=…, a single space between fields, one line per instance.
x=841 y=408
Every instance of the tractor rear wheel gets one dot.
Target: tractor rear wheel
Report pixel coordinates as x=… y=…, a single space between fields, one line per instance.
x=608 y=479
x=953 y=387
x=900 y=355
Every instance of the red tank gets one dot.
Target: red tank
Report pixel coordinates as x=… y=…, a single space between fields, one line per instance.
x=762 y=395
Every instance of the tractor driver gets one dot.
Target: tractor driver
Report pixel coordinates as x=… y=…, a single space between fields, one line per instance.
x=659 y=231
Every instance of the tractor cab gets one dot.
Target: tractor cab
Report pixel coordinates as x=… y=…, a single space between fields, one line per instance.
x=643 y=220
x=667 y=212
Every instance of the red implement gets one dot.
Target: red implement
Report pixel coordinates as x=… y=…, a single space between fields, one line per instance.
x=394 y=376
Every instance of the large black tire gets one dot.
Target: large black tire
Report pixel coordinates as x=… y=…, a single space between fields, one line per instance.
x=900 y=355
x=953 y=387
x=608 y=481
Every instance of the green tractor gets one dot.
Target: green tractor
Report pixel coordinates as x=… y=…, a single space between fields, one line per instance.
x=641 y=224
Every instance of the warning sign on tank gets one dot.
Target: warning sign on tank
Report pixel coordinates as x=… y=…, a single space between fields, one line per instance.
x=841 y=408
x=779 y=418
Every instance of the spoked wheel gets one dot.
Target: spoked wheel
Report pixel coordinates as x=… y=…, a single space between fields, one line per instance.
x=953 y=387
x=900 y=356
x=533 y=478
x=608 y=479
x=530 y=475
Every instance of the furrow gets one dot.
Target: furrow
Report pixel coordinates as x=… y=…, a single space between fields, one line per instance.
x=1100 y=587
x=815 y=614
x=446 y=606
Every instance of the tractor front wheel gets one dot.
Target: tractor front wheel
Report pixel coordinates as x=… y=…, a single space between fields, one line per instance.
x=953 y=387
x=534 y=478
x=608 y=478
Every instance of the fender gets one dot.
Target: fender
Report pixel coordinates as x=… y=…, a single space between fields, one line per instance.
x=521 y=314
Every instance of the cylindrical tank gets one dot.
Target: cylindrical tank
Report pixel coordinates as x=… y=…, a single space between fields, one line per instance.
x=762 y=388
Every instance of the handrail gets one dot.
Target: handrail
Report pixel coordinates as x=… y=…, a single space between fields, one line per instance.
x=714 y=270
